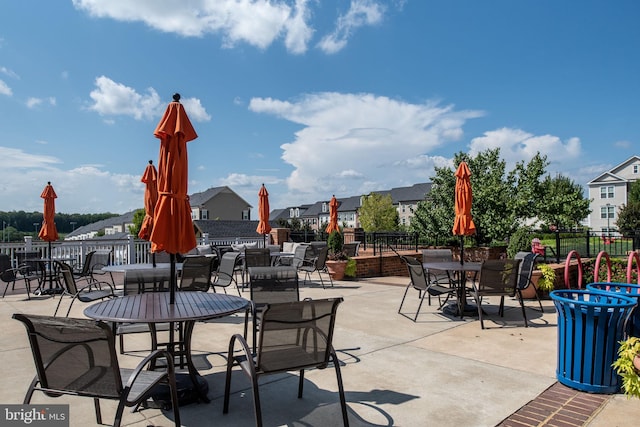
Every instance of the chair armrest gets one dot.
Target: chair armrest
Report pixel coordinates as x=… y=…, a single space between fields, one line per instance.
x=155 y=355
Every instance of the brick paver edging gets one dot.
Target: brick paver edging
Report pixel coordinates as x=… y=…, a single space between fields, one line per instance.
x=559 y=406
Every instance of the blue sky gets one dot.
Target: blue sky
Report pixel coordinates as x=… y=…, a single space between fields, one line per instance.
x=310 y=97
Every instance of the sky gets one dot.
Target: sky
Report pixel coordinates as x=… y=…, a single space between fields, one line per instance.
x=313 y=98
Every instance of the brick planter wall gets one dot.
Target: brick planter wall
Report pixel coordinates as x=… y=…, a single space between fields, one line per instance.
x=389 y=264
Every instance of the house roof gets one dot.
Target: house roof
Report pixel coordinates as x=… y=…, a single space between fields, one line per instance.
x=126 y=218
x=228 y=228
x=199 y=199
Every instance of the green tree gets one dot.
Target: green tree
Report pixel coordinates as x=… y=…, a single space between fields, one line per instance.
x=634 y=192
x=138 y=218
x=629 y=217
x=562 y=203
x=501 y=200
x=377 y=213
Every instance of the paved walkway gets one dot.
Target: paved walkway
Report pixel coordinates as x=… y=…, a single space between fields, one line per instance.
x=439 y=371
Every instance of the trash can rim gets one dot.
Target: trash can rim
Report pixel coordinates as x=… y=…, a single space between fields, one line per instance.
x=616 y=299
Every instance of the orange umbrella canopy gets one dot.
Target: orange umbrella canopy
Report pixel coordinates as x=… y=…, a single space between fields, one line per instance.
x=48 y=231
x=172 y=226
x=263 y=211
x=463 y=224
x=333 y=216
x=150 y=179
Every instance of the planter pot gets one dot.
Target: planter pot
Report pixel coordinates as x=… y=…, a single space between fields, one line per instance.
x=636 y=364
x=336 y=269
x=530 y=291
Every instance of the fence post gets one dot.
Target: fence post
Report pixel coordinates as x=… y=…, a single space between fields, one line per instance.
x=131 y=249
x=557 y=246
x=588 y=255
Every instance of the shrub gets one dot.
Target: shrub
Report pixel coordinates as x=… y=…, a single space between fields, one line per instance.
x=519 y=241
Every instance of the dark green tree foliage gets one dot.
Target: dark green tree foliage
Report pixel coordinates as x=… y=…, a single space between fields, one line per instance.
x=629 y=214
x=562 y=203
x=629 y=217
x=138 y=217
x=377 y=213
x=502 y=200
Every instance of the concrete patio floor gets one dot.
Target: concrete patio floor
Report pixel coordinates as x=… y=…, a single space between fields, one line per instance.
x=438 y=371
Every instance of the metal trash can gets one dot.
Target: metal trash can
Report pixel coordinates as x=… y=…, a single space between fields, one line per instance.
x=590 y=324
x=626 y=289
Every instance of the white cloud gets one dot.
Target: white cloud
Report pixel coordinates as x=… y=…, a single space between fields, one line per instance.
x=361 y=13
x=36 y=102
x=5 y=89
x=10 y=73
x=355 y=143
x=517 y=145
x=114 y=99
x=77 y=188
x=258 y=23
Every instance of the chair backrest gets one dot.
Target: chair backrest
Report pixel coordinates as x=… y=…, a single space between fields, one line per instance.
x=316 y=246
x=146 y=280
x=196 y=273
x=7 y=274
x=73 y=355
x=88 y=263
x=321 y=260
x=416 y=273
x=100 y=258
x=67 y=276
x=299 y=255
x=499 y=276
x=226 y=268
x=437 y=255
x=351 y=249
x=273 y=284
x=257 y=257
x=296 y=335
x=527 y=264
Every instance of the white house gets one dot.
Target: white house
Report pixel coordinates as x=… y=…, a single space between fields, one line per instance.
x=609 y=191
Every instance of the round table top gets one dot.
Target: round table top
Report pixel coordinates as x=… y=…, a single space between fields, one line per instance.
x=142 y=266
x=154 y=307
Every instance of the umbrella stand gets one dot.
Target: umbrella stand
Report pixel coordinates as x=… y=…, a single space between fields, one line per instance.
x=173 y=282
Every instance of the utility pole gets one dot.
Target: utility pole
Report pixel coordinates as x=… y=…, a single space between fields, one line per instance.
x=73 y=225
x=35 y=228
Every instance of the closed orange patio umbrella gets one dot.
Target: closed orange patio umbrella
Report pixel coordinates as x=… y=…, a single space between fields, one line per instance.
x=150 y=179
x=333 y=216
x=463 y=224
x=172 y=226
x=263 y=212
x=48 y=231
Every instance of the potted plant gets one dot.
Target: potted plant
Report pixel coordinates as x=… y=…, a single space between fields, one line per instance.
x=336 y=257
x=628 y=366
x=547 y=281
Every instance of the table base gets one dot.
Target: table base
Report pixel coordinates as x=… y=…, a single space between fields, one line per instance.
x=453 y=310
x=187 y=392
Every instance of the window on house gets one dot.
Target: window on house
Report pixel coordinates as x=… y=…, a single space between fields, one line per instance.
x=291 y=213
x=204 y=214
x=245 y=214
x=297 y=212
x=635 y=168
x=606 y=192
x=324 y=207
x=403 y=208
x=194 y=214
x=607 y=212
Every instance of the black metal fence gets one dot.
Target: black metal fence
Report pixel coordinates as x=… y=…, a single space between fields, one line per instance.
x=557 y=244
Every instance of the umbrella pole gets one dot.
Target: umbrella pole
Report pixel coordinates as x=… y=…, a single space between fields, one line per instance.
x=461 y=250
x=172 y=279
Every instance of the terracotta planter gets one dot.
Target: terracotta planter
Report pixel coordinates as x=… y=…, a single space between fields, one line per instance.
x=336 y=269
x=530 y=291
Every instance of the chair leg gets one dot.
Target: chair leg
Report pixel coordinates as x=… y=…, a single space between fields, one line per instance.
x=524 y=313
x=343 y=400
x=403 y=298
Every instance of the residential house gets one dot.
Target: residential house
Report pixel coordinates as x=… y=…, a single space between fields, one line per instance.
x=609 y=191
x=219 y=203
